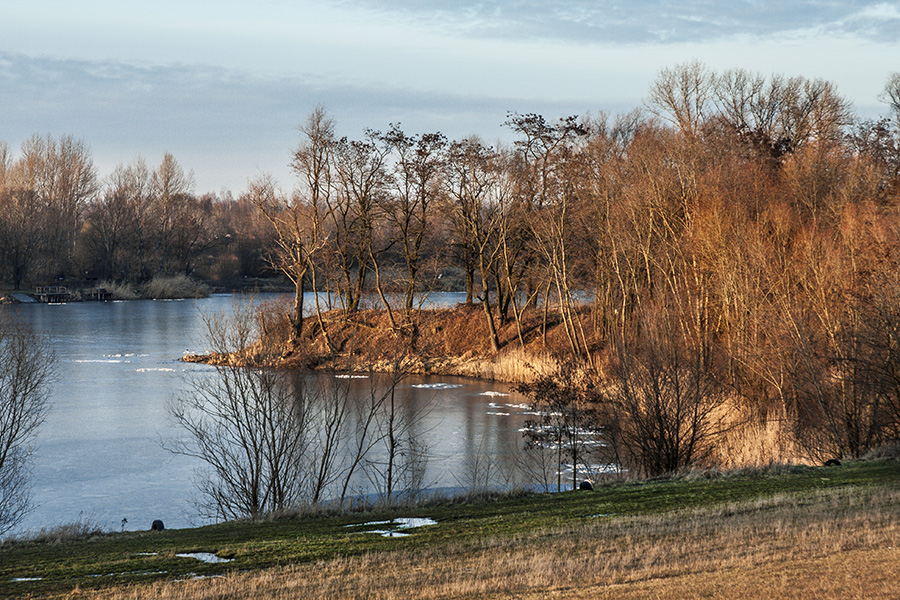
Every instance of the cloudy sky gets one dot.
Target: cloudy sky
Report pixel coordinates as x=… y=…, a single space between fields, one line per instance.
x=223 y=84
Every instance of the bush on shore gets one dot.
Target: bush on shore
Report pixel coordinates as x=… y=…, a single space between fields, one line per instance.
x=174 y=287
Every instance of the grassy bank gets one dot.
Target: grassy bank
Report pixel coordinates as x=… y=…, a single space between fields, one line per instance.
x=788 y=532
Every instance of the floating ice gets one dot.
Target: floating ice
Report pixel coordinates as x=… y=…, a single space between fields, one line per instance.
x=98 y=360
x=437 y=386
x=207 y=557
x=498 y=414
x=161 y=369
x=492 y=394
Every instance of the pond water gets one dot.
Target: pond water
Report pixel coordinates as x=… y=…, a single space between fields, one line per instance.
x=100 y=455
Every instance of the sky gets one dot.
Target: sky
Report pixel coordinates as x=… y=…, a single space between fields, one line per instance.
x=224 y=84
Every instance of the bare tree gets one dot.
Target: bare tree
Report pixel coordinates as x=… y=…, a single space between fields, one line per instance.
x=26 y=366
x=476 y=194
x=248 y=425
x=398 y=459
x=61 y=175
x=418 y=167
x=566 y=404
x=682 y=95
x=662 y=411
x=355 y=211
x=891 y=94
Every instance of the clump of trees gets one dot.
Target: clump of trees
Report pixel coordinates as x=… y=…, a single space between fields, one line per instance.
x=60 y=221
x=742 y=263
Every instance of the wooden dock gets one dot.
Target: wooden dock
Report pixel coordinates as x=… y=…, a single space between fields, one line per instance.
x=52 y=294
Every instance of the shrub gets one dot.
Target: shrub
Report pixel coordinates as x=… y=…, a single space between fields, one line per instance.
x=174 y=287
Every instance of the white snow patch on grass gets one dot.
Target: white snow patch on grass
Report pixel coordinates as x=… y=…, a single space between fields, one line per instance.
x=207 y=557
x=396 y=526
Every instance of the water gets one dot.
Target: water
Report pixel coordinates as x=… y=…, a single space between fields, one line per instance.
x=99 y=457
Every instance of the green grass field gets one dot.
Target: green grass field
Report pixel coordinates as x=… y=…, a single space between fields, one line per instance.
x=59 y=566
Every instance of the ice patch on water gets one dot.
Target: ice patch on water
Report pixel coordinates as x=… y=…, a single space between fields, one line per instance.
x=160 y=369
x=98 y=360
x=207 y=557
x=347 y=376
x=498 y=414
x=437 y=386
x=492 y=394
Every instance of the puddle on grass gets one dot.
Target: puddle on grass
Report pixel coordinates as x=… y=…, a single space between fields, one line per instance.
x=21 y=579
x=396 y=526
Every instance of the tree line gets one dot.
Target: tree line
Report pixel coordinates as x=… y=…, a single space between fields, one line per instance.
x=725 y=256
x=59 y=221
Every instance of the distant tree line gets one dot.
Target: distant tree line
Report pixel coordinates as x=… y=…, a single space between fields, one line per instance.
x=60 y=222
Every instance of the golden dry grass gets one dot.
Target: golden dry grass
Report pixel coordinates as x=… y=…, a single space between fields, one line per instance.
x=751 y=442
x=838 y=544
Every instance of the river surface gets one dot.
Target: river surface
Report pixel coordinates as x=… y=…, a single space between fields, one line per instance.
x=100 y=457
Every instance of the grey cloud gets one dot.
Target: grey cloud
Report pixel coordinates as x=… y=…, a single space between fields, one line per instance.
x=226 y=125
x=654 y=21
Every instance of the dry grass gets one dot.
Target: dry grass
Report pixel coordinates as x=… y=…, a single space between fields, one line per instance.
x=439 y=342
x=751 y=443
x=174 y=287
x=120 y=291
x=839 y=544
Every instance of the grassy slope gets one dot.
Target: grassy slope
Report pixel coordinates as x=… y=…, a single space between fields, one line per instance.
x=626 y=537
